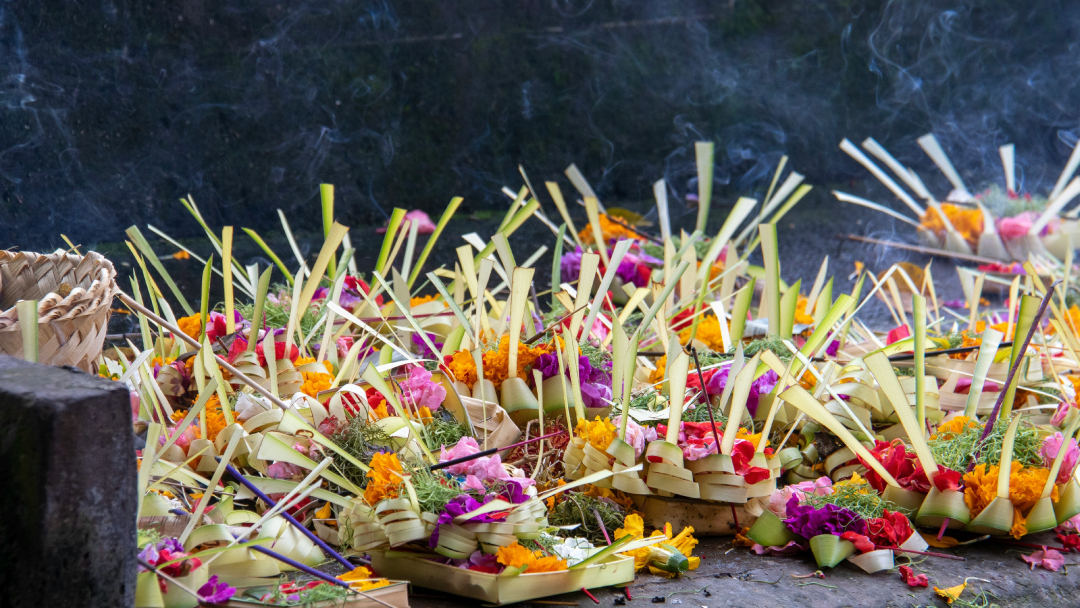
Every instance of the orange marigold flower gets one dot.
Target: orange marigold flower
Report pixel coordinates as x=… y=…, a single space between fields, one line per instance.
x=801 y=316
x=385 y=478
x=550 y=563
x=515 y=556
x=496 y=361
x=609 y=229
x=191 y=326
x=463 y=367
x=424 y=300
x=967 y=221
x=657 y=375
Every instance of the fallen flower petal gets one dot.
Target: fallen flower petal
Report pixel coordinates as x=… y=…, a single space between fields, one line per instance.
x=1047 y=558
x=912 y=579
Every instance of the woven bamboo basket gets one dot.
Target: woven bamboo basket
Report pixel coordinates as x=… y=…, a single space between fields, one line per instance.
x=74 y=295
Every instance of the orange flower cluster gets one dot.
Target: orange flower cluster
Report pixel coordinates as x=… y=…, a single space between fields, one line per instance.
x=385 y=478
x=496 y=361
x=609 y=229
x=801 y=316
x=967 y=221
x=516 y=556
x=952 y=428
x=1072 y=318
x=215 y=419
x=314 y=382
x=1025 y=488
x=191 y=326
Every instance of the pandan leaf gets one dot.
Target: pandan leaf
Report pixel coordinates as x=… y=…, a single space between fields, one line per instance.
x=772 y=275
x=604 y=553
x=991 y=339
x=28 y=324
x=396 y=217
x=770 y=531
x=788 y=303
x=739 y=396
x=703 y=152
x=144 y=247
x=879 y=365
x=739 y=311
x=829 y=549
x=919 y=318
x=1029 y=307
x=556 y=266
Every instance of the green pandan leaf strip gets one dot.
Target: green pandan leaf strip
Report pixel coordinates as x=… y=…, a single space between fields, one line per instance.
x=1029 y=307
x=743 y=299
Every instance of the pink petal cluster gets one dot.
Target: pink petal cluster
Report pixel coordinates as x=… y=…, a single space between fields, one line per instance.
x=420 y=390
x=1050 y=447
x=426 y=226
x=477 y=470
x=822 y=486
x=1047 y=558
x=636 y=435
x=1011 y=228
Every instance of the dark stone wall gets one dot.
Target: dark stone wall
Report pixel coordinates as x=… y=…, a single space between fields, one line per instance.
x=112 y=110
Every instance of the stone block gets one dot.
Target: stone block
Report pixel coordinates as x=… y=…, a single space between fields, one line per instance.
x=67 y=508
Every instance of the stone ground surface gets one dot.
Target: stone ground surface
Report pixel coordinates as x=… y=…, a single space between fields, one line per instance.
x=742 y=579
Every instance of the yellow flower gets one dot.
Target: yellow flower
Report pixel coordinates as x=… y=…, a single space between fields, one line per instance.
x=515 y=556
x=801 y=316
x=599 y=433
x=708 y=332
x=181 y=255
x=854 y=480
x=325 y=512
x=955 y=426
x=363 y=578
x=385 y=475
x=754 y=439
x=684 y=542
x=657 y=375
x=191 y=326
x=952 y=593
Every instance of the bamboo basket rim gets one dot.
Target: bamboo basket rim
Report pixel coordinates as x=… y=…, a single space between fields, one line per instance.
x=96 y=288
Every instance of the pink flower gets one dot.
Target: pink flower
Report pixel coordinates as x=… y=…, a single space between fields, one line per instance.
x=788 y=549
x=822 y=486
x=421 y=391
x=1011 y=228
x=636 y=435
x=283 y=470
x=416 y=216
x=1059 y=415
x=1047 y=558
x=1050 y=447
x=477 y=470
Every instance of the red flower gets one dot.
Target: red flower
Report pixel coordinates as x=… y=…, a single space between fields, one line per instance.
x=685 y=318
x=947 y=479
x=898 y=333
x=357 y=285
x=889 y=530
x=279 y=350
x=862 y=543
x=901 y=464
x=1069 y=541
x=912 y=579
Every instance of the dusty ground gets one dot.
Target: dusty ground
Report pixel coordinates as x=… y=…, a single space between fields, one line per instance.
x=739 y=578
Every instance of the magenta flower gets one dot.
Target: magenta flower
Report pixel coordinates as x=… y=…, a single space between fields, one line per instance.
x=1047 y=558
x=421 y=391
x=216 y=591
x=808 y=522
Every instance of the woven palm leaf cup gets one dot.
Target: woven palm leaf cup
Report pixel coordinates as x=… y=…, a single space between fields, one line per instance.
x=74 y=295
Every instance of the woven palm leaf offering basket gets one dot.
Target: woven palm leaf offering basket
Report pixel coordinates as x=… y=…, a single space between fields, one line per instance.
x=999 y=226
x=73 y=295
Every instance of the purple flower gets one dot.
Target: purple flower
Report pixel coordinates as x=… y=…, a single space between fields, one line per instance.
x=215 y=591
x=570 y=265
x=422 y=348
x=808 y=522
x=954 y=303
x=595 y=394
x=833 y=348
